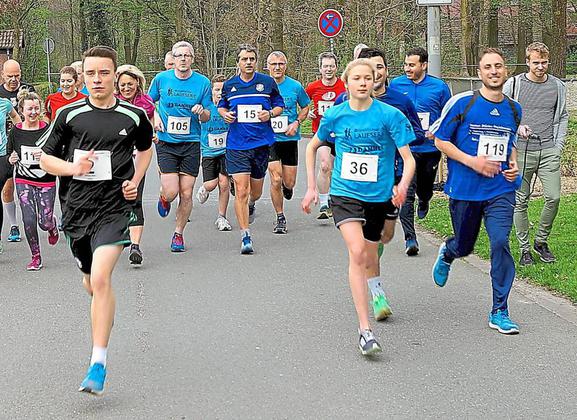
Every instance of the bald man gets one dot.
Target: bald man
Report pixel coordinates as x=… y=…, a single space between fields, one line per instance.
x=11 y=76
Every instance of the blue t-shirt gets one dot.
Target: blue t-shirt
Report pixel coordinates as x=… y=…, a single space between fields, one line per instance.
x=487 y=127
x=5 y=110
x=365 y=143
x=429 y=97
x=175 y=98
x=245 y=99
x=214 y=133
x=294 y=97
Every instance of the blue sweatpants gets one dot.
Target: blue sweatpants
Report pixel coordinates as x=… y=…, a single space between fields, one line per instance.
x=497 y=214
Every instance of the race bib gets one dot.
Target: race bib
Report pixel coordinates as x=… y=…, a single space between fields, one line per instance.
x=178 y=125
x=248 y=113
x=323 y=106
x=102 y=169
x=27 y=155
x=494 y=147
x=279 y=124
x=357 y=167
x=217 y=141
x=424 y=117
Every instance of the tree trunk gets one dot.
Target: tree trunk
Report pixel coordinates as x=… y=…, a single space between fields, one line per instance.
x=470 y=34
x=83 y=34
x=136 y=42
x=277 y=25
x=524 y=33
x=126 y=36
x=493 y=23
x=558 y=45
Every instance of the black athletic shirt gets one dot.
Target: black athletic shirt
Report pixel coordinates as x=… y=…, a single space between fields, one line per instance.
x=82 y=126
x=12 y=96
x=28 y=172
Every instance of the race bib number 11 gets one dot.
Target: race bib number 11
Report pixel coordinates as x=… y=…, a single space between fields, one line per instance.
x=27 y=155
x=364 y=168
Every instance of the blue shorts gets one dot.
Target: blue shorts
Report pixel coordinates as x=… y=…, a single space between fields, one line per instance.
x=251 y=161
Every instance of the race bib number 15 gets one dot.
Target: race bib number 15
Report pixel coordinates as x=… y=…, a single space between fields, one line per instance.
x=364 y=168
x=248 y=113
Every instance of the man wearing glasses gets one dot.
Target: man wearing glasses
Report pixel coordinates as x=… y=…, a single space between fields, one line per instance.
x=183 y=96
x=284 y=153
x=541 y=137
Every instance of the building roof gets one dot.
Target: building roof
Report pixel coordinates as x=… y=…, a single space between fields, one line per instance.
x=7 y=39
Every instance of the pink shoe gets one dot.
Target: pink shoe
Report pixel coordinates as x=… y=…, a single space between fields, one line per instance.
x=35 y=264
x=53 y=234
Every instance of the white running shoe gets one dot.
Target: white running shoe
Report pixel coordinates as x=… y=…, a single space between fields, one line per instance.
x=222 y=224
x=202 y=195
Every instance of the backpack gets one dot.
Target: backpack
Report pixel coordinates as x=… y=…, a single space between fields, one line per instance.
x=461 y=117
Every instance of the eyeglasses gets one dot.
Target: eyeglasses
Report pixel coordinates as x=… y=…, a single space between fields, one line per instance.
x=277 y=64
x=185 y=56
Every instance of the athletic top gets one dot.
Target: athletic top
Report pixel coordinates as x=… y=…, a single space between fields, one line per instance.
x=12 y=96
x=141 y=100
x=27 y=169
x=429 y=97
x=488 y=128
x=175 y=98
x=365 y=143
x=294 y=96
x=323 y=98
x=5 y=110
x=214 y=134
x=55 y=101
x=112 y=133
x=245 y=99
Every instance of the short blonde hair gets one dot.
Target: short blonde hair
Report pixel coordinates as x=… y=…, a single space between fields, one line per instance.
x=356 y=63
x=26 y=95
x=537 y=47
x=133 y=72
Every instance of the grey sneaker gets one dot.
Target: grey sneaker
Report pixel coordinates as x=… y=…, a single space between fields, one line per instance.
x=202 y=195
x=280 y=226
x=251 y=213
x=545 y=254
x=368 y=344
x=526 y=258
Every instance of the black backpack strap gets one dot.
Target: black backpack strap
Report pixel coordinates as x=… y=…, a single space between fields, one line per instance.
x=461 y=117
x=515 y=113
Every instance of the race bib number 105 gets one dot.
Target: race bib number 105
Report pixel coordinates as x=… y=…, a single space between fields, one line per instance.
x=364 y=168
x=178 y=125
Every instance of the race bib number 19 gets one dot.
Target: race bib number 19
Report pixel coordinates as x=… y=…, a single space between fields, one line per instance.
x=493 y=147
x=102 y=169
x=364 y=168
x=217 y=141
x=178 y=125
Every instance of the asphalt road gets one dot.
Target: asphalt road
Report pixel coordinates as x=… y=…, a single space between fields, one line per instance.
x=213 y=334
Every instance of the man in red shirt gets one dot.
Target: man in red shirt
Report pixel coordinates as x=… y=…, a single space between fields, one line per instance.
x=323 y=93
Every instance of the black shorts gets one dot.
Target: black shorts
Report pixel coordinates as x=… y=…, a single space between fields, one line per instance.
x=331 y=146
x=178 y=158
x=137 y=206
x=371 y=215
x=212 y=166
x=251 y=161
x=285 y=151
x=112 y=230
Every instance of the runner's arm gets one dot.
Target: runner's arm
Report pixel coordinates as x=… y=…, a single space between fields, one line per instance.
x=479 y=164
x=311 y=156
x=59 y=167
x=15 y=117
x=409 y=165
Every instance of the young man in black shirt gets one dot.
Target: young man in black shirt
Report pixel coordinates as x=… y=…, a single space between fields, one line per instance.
x=90 y=146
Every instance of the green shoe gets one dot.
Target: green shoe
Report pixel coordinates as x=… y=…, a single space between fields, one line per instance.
x=381 y=307
x=381 y=249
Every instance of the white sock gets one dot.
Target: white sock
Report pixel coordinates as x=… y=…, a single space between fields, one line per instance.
x=11 y=212
x=98 y=355
x=244 y=232
x=324 y=199
x=375 y=286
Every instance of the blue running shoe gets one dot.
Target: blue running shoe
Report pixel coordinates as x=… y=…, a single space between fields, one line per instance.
x=246 y=245
x=177 y=243
x=163 y=207
x=14 y=235
x=501 y=322
x=441 y=268
x=411 y=247
x=94 y=381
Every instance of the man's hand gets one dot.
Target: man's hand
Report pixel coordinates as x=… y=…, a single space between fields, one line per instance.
x=311 y=196
x=524 y=131
x=130 y=190
x=399 y=194
x=512 y=173
x=158 y=126
x=312 y=114
x=264 y=115
x=292 y=128
x=429 y=135
x=197 y=109
x=84 y=164
x=229 y=117
x=484 y=166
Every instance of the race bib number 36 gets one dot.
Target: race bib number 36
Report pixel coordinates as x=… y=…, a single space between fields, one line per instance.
x=217 y=141
x=178 y=125
x=279 y=124
x=28 y=155
x=323 y=106
x=362 y=168
x=493 y=147
x=248 y=113
x=102 y=169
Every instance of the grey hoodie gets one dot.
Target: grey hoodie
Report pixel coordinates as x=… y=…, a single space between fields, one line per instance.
x=561 y=118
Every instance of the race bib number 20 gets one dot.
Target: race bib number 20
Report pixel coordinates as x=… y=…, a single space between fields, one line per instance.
x=364 y=168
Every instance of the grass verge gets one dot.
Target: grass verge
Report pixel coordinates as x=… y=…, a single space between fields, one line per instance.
x=561 y=276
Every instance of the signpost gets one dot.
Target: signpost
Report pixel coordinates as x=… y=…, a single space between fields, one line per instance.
x=48 y=47
x=434 y=33
x=330 y=25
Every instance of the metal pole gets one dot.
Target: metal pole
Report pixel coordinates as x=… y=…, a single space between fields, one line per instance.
x=332 y=44
x=49 y=81
x=434 y=40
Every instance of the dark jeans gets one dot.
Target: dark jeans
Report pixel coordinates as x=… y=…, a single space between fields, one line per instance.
x=497 y=214
x=422 y=186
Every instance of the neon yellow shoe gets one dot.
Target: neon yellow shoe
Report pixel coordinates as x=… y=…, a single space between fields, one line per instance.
x=381 y=307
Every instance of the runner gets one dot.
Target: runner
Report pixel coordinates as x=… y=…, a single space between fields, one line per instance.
x=323 y=93
x=429 y=94
x=66 y=95
x=89 y=146
x=477 y=133
x=213 y=146
x=80 y=86
x=6 y=110
x=11 y=75
x=182 y=95
x=169 y=61
x=366 y=134
x=249 y=101
x=130 y=87
x=35 y=188
x=284 y=153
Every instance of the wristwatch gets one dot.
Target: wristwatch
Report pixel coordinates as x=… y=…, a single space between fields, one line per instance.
x=271 y=113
